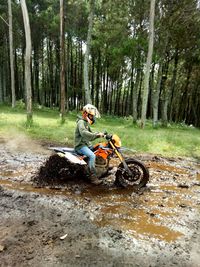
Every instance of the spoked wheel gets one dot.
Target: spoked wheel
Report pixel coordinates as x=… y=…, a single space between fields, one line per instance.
x=139 y=174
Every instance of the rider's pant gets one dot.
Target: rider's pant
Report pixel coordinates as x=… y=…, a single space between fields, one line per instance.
x=88 y=152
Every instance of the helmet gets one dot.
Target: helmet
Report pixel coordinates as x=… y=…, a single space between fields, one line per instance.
x=90 y=112
x=90 y=109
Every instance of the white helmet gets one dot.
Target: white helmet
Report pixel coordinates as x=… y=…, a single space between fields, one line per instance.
x=90 y=109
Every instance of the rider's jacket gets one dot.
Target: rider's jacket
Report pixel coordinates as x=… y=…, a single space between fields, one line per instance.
x=83 y=134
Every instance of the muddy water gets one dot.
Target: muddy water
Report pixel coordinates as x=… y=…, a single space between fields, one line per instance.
x=26 y=187
x=138 y=216
x=153 y=213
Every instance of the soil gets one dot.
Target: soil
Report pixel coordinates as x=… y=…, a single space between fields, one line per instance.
x=74 y=223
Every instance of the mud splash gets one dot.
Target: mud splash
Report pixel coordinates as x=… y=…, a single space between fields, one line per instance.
x=57 y=170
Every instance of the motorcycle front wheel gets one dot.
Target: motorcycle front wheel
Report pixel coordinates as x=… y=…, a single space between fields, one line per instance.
x=139 y=174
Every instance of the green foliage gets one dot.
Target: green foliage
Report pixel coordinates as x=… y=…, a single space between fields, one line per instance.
x=118 y=55
x=20 y=104
x=175 y=140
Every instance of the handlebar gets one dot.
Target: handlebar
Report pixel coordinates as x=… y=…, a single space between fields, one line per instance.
x=107 y=136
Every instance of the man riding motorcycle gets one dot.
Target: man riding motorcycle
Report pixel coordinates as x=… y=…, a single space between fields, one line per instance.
x=83 y=136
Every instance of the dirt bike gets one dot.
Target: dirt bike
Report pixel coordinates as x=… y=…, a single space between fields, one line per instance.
x=130 y=172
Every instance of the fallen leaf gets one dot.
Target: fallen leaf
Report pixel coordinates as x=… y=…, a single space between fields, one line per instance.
x=63 y=237
x=1 y=248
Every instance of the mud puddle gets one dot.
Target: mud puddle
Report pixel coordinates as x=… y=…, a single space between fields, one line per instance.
x=149 y=213
x=156 y=226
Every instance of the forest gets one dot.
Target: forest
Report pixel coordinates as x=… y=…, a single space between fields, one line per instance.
x=131 y=196
x=97 y=51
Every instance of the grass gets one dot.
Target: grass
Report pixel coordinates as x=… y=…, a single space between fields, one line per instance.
x=175 y=140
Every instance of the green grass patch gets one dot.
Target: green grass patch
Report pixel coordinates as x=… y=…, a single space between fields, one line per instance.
x=175 y=140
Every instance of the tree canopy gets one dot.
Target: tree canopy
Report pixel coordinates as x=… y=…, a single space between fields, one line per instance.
x=117 y=59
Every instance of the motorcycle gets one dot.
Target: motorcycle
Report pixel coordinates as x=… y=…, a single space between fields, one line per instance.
x=130 y=172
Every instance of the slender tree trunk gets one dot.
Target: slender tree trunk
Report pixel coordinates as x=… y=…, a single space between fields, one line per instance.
x=27 y=62
x=184 y=98
x=16 y=76
x=148 y=64
x=11 y=55
x=80 y=71
x=106 y=91
x=56 y=92
x=81 y=75
x=62 y=63
x=50 y=72
x=164 y=96
x=1 y=87
x=43 y=77
x=173 y=83
x=156 y=94
x=157 y=89
x=98 y=79
x=93 y=78
x=87 y=53
x=23 y=89
x=126 y=108
x=1 y=80
x=68 y=77
x=36 y=75
x=135 y=95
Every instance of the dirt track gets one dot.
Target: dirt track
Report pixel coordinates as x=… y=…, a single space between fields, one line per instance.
x=158 y=226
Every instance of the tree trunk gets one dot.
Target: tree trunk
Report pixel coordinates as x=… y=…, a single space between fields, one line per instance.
x=11 y=55
x=173 y=83
x=98 y=79
x=36 y=75
x=27 y=62
x=148 y=64
x=156 y=94
x=1 y=80
x=157 y=89
x=164 y=96
x=87 y=52
x=184 y=98
x=62 y=62
x=93 y=78
x=43 y=77
x=135 y=94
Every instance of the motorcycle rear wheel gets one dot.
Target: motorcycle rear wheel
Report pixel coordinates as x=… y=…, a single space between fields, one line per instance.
x=139 y=177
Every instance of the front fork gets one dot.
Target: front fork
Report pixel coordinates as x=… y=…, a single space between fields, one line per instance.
x=121 y=158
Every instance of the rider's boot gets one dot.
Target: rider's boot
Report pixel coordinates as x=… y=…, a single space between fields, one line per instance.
x=94 y=179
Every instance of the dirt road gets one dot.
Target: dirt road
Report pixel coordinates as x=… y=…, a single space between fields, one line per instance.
x=102 y=226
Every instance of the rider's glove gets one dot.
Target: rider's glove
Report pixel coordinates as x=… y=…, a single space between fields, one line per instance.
x=100 y=134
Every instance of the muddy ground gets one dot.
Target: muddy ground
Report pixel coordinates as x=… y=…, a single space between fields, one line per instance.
x=100 y=226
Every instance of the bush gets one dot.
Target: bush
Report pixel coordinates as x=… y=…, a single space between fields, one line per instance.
x=20 y=104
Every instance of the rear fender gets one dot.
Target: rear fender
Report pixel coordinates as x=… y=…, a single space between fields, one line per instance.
x=72 y=158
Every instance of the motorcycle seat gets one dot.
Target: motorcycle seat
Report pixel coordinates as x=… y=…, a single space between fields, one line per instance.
x=63 y=149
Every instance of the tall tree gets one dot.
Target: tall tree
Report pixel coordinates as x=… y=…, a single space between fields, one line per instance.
x=148 y=64
x=87 y=53
x=62 y=62
x=11 y=54
x=27 y=62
